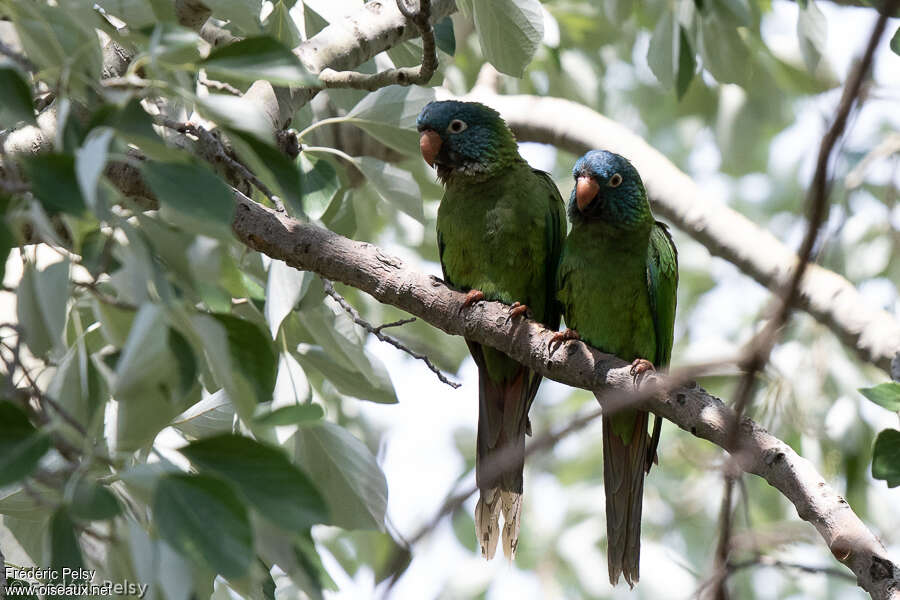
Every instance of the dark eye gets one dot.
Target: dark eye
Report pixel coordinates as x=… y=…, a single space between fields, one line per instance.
x=615 y=180
x=456 y=126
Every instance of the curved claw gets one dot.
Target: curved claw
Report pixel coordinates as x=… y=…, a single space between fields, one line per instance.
x=562 y=336
x=639 y=368
x=472 y=296
x=516 y=309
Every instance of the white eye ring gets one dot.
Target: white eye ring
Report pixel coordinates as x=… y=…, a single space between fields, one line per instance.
x=456 y=126
x=615 y=180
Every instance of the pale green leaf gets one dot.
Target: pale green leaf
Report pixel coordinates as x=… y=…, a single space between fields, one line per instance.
x=509 y=32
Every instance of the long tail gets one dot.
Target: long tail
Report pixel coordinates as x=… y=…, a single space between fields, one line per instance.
x=624 y=467
x=500 y=459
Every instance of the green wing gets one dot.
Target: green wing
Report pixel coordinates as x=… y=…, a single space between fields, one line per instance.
x=662 y=281
x=555 y=233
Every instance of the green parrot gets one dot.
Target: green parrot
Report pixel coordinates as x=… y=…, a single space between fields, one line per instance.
x=616 y=283
x=500 y=227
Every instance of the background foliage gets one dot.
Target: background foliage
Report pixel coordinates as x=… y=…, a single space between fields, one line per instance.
x=208 y=421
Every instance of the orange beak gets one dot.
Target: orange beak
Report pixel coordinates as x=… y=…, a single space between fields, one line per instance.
x=430 y=145
x=585 y=191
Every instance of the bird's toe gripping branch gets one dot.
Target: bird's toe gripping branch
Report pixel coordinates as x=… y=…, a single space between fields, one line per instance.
x=472 y=296
x=560 y=337
x=639 y=368
x=516 y=310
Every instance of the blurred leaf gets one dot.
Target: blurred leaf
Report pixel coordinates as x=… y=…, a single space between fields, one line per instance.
x=895 y=42
x=93 y=502
x=136 y=13
x=395 y=186
x=134 y=126
x=812 y=31
x=77 y=385
x=41 y=299
x=389 y=115
x=184 y=506
x=687 y=64
x=291 y=392
x=21 y=445
x=235 y=113
x=346 y=473
x=274 y=168
x=54 y=182
x=280 y=25
x=444 y=36
x=214 y=414
x=265 y=476
x=15 y=97
x=886 y=457
x=724 y=53
x=884 y=394
x=145 y=357
x=662 y=54
x=285 y=287
x=464 y=530
x=90 y=161
x=258 y=58
x=291 y=415
x=242 y=13
x=313 y=22
x=174 y=46
x=64 y=549
x=320 y=185
x=192 y=195
x=252 y=355
x=509 y=32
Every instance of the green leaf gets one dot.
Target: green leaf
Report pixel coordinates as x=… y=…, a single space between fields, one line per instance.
x=884 y=394
x=444 y=36
x=812 y=31
x=21 y=445
x=290 y=415
x=265 y=476
x=252 y=354
x=193 y=196
x=212 y=415
x=389 y=115
x=138 y=14
x=77 y=385
x=235 y=113
x=895 y=42
x=145 y=358
x=15 y=97
x=687 y=64
x=509 y=32
x=373 y=385
x=64 y=549
x=395 y=186
x=275 y=169
x=280 y=25
x=41 y=299
x=93 y=502
x=662 y=54
x=242 y=13
x=202 y=518
x=320 y=185
x=886 y=457
x=133 y=125
x=54 y=182
x=346 y=473
x=173 y=46
x=258 y=58
x=90 y=161
x=724 y=52
x=285 y=287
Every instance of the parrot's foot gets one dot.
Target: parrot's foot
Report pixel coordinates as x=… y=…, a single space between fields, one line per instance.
x=472 y=296
x=562 y=336
x=639 y=368
x=516 y=309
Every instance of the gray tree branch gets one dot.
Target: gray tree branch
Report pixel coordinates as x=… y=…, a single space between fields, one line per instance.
x=388 y=280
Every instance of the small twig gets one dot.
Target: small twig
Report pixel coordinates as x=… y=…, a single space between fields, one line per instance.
x=394 y=324
x=376 y=331
x=768 y=561
x=214 y=151
x=419 y=75
x=219 y=85
x=103 y=297
x=18 y=58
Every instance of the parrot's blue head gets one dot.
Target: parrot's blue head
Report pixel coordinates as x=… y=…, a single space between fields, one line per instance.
x=608 y=188
x=466 y=138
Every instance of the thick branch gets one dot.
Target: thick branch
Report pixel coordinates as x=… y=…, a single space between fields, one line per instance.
x=828 y=297
x=385 y=278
